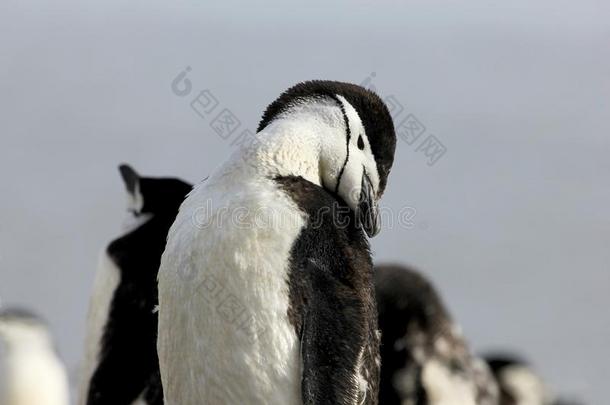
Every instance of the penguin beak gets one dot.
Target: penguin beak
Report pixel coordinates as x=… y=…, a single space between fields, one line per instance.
x=368 y=211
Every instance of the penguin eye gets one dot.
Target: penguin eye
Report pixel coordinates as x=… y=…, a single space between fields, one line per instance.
x=360 y=143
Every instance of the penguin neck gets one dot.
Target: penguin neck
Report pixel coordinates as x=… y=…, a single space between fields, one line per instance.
x=292 y=144
x=288 y=147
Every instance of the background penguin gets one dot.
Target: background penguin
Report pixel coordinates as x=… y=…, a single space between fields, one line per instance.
x=424 y=358
x=269 y=298
x=31 y=372
x=520 y=384
x=121 y=364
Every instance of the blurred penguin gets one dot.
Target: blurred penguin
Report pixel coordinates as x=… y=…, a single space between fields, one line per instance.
x=31 y=372
x=520 y=384
x=424 y=357
x=121 y=363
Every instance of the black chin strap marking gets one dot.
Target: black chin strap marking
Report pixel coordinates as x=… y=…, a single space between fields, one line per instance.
x=347 y=138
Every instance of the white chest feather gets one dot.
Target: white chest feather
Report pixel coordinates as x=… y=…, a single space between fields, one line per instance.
x=525 y=385
x=107 y=279
x=446 y=388
x=31 y=373
x=35 y=379
x=224 y=333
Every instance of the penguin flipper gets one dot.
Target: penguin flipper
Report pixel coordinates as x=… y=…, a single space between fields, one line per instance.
x=124 y=372
x=331 y=341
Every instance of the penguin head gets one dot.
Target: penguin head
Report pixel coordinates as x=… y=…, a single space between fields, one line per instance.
x=149 y=195
x=356 y=140
x=21 y=328
x=408 y=301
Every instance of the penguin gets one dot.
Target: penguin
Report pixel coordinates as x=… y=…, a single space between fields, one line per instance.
x=424 y=357
x=31 y=372
x=520 y=384
x=265 y=287
x=121 y=363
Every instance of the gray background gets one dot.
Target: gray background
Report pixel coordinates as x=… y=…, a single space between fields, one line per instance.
x=512 y=222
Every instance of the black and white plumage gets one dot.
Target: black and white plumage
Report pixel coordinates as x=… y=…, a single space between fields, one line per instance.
x=425 y=359
x=265 y=287
x=31 y=372
x=519 y=383
x=121 y=365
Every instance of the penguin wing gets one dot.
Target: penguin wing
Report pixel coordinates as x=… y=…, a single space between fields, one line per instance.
x=332 y=340
x=125 y=370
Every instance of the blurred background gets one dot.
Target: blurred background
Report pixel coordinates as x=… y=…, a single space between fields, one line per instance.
x=511 y=221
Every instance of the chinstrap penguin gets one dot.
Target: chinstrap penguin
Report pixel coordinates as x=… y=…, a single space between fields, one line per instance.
x=520 y=383
x=121 y=365
x=424 y=357
x=31 y=372
x=265 y=287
